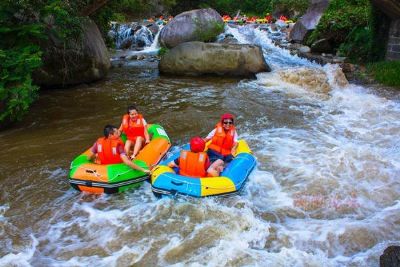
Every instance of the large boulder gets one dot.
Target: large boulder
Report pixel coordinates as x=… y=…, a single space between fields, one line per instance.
x=194 y=25
x=390 y=257
x=309 y=21
x=197 y=58
x=80 y=61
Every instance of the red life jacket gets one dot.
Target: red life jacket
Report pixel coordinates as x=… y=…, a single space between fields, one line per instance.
x=222 y=142
x=193 y=164
x=133 y=128
x=107 y=150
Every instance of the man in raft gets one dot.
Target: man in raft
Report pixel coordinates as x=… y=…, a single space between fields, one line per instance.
x=194 y=163
x=110 y=149
x=224 y=142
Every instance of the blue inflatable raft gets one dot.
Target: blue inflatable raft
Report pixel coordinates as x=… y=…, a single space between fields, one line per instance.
x=165 y=181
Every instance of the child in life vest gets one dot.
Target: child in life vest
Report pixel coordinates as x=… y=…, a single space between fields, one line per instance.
x=135 y=127
x=194 y=163
x=110 y=149
x=224 y=142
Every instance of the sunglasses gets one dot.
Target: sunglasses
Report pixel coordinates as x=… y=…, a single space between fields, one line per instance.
x=227 y=122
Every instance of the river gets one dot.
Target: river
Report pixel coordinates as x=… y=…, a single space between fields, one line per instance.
x=325 y=191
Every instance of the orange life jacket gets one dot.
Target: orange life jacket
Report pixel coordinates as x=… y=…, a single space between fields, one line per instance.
x=133 y=128
x=107 y=150
x=222 y=141
x=193 y=164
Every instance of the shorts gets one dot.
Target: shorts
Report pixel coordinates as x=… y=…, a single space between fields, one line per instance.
x=214 y=155
x=133 y=139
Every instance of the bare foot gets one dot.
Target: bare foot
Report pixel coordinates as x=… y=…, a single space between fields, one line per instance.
x=133 y=157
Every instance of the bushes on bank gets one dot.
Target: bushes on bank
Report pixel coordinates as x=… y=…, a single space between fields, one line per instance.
x=248 y=7
x=385 y=72
x=19 y=56
x=24 y=25
x=346 y=24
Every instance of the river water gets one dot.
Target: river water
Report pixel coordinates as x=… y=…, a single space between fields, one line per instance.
x=325 y=191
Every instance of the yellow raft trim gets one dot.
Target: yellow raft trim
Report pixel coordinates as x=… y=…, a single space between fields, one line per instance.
x=216 y=185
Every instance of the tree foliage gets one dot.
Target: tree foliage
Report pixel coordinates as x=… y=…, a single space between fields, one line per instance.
x=346 y=23
x=248 y=7
x=23 y=26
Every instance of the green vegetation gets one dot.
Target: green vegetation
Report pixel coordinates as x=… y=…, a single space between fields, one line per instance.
x=358 y=31
x=346 y=23
x=248 y=7
x=386 y=72
x=163 y=51
x=23 y=26
x=208 y=33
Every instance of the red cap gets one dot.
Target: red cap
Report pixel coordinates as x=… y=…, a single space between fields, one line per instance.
x=226 y=116
x=197 y=144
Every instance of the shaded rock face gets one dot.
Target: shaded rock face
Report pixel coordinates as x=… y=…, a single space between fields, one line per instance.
x=390 y=257
x=183 y=27
x=197 y=58
x=393 y=47
x=389 y=7
x=309 y=21
x=86 y=60
x=322 y=46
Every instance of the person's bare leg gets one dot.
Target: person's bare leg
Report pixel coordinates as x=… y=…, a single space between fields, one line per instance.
x=138 y=146
x=216 y=168
x=127 y=148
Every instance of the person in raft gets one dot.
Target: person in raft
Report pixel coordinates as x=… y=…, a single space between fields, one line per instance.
x=135 y=127
x=224 y=142
x=194 y=163
x=110 y=149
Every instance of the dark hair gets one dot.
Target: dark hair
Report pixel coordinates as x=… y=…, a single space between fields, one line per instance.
x=108 y=129
x=131 y=107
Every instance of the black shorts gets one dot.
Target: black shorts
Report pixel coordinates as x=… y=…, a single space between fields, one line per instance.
x=214 y=155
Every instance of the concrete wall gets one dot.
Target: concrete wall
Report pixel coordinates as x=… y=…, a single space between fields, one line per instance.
x=393 y=48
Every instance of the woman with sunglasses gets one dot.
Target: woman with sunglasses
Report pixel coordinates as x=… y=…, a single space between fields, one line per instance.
x=135 y=127
x=224 y=141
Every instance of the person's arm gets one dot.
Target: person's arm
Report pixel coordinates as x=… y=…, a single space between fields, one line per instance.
x=132 y=165
x=210 y=136
x=172 y=164
x=121 y=127
x=235 y=143
x=146 y=132
x=233 y=150
x=93 y=152
x=91 y=156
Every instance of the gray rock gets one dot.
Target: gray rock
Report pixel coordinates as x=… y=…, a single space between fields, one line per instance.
x=198 y=58
x=309 y=21
x=304 y=49
x=153 y=28
x=390 y=257
x=322 y=46
x=186 y=27
x=83 y=61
